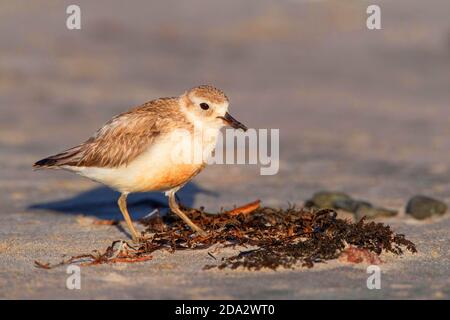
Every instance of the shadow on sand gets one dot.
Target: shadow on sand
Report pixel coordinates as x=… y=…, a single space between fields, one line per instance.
x=101 y=202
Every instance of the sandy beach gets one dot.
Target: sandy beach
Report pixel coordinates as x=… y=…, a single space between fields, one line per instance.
x=359 y=111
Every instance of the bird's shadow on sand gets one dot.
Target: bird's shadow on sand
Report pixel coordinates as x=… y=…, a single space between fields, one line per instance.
x=101 y=202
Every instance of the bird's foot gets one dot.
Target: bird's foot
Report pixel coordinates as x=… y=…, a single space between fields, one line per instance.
x=199 y=231
x=140 y=238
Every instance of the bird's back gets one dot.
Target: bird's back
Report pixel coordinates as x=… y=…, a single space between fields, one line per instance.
x=123 y=138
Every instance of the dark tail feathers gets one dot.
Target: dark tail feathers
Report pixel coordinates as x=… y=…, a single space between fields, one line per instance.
x=63 y=158
x=46 y=163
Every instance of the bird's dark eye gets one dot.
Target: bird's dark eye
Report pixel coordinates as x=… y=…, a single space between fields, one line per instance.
x=204 y=106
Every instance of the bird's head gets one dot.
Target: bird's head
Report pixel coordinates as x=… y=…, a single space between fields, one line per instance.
x=207 y=105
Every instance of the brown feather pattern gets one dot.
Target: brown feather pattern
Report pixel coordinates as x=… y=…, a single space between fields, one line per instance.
x=210 y=93
x=124 y=137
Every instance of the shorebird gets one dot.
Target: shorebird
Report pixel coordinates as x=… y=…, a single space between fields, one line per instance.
x=133 y=152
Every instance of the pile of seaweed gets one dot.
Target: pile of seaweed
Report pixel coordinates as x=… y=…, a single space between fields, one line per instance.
x=273 y=238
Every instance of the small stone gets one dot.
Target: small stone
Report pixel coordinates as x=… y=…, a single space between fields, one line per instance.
x=327 y=199
x=422 y=207
x=351 y=205
x=373 y=212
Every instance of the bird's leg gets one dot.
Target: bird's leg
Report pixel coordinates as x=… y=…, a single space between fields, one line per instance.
x=175 y=208
x=123 y=208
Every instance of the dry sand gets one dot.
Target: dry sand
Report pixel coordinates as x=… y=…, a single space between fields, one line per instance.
x=364 y=112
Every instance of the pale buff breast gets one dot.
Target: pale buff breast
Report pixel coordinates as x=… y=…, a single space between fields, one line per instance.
x=157 y=169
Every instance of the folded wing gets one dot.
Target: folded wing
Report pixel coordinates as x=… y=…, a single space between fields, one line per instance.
x=119 y=141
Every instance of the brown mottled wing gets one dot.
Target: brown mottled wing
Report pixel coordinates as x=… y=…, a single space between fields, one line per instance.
x=121 y=139
x=118 y=142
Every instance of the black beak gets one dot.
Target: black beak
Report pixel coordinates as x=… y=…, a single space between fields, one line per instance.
x=233 y=122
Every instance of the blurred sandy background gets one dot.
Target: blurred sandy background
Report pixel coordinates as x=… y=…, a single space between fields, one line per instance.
x=365 y=112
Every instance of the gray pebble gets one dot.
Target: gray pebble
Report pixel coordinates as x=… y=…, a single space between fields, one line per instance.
x=422 y=207
x=373 y=212
x=327 y=199
x=351 y=205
